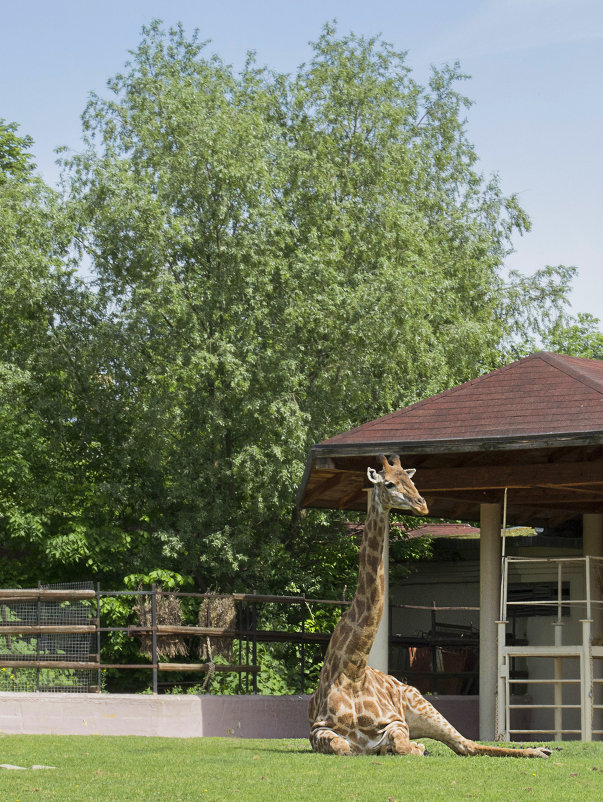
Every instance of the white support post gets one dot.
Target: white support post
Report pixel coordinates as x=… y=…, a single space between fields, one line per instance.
x=490 y=562
x=379 y=655
x=586 y=681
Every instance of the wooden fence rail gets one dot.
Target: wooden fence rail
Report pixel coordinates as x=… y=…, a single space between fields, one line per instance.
x=246 y=632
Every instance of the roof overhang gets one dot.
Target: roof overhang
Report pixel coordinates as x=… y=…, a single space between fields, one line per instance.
x=551 y=478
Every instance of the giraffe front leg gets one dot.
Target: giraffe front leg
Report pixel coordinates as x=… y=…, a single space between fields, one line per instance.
x=400 y=743
x=329 y=742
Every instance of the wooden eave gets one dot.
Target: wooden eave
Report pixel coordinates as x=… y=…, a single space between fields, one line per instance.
x=551 y=479
x=534 y=427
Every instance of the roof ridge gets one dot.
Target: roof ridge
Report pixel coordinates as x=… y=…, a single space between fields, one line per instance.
x=558 y=361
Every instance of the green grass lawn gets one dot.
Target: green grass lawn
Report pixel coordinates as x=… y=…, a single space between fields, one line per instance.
x=232 y=770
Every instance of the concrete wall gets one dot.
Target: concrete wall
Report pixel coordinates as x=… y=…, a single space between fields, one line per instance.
x=183 y=716
x=170 y=716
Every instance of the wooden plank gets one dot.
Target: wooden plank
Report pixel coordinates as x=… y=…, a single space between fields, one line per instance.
x=43 y=629
x=48 y=664
x=25 y=594
x=262 y=635
x=167 y=629
x=206 y=667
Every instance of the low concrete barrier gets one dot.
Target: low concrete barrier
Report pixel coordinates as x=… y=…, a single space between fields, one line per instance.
x=167 y=715
x=183 y=716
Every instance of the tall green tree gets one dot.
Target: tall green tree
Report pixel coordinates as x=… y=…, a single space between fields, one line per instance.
x=32 y=249
x=581 y=336
x=283 y=257
x=275 y=259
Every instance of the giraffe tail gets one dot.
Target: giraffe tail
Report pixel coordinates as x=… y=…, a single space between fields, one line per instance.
x=503 y=751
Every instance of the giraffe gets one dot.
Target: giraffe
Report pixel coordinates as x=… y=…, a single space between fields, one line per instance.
x=357 y=709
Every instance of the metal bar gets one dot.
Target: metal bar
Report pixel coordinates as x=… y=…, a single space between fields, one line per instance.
x=558 y=696
x=558 y=667
x=240 y=617
x=38 y=621
x=543 y=651
x=539 y=730
x=546 y=560
x=254 y=644
x=539 y=707
x=247 y=623
x=154 y=635
x=422 y=607
x=98 y=636
x=502 y=675
x=542 y=602
x=526 y=681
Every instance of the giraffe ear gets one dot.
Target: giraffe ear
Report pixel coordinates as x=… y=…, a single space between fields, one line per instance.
x=410 y=472
x=373 y=476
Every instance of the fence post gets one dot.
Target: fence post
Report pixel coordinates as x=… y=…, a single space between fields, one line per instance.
x=38 y=622
x=240 y=628
x=254 y=643
x=247 y=628
x=154 y=634
x=98 y=636
x=303 y=650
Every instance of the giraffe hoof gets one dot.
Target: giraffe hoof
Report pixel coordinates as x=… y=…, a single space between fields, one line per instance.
x=542 y=751
x=339 y=746
x=417 y=749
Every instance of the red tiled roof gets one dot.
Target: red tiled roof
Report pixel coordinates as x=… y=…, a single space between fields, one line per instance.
x=544 y=393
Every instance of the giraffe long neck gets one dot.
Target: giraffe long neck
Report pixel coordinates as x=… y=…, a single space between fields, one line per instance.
x=355 y=633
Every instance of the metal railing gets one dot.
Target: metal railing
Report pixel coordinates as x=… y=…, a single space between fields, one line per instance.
x=585 y=657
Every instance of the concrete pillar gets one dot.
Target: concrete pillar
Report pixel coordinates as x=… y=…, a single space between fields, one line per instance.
x=379 y=655
x=489 y=599
x=592 y=544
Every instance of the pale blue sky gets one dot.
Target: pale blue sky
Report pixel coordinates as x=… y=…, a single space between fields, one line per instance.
x=536 y=67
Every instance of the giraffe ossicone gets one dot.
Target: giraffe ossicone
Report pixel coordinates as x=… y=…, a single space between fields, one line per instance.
x=357 y=709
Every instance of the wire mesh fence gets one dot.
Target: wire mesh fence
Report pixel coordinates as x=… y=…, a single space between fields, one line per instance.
x=58 y=638
x=40 y=632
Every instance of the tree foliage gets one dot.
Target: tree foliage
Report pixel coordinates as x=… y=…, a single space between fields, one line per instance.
x=275 y=259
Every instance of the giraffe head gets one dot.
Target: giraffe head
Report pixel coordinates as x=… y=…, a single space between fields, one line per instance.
x=395 y=487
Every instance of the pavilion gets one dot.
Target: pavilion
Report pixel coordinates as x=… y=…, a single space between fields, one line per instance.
x=526 y=439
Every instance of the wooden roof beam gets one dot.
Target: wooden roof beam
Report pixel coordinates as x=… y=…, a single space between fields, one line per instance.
x=490 y=477
x=322 y=487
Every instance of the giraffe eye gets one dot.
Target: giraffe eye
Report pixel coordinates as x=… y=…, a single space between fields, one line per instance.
x=390 y=485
